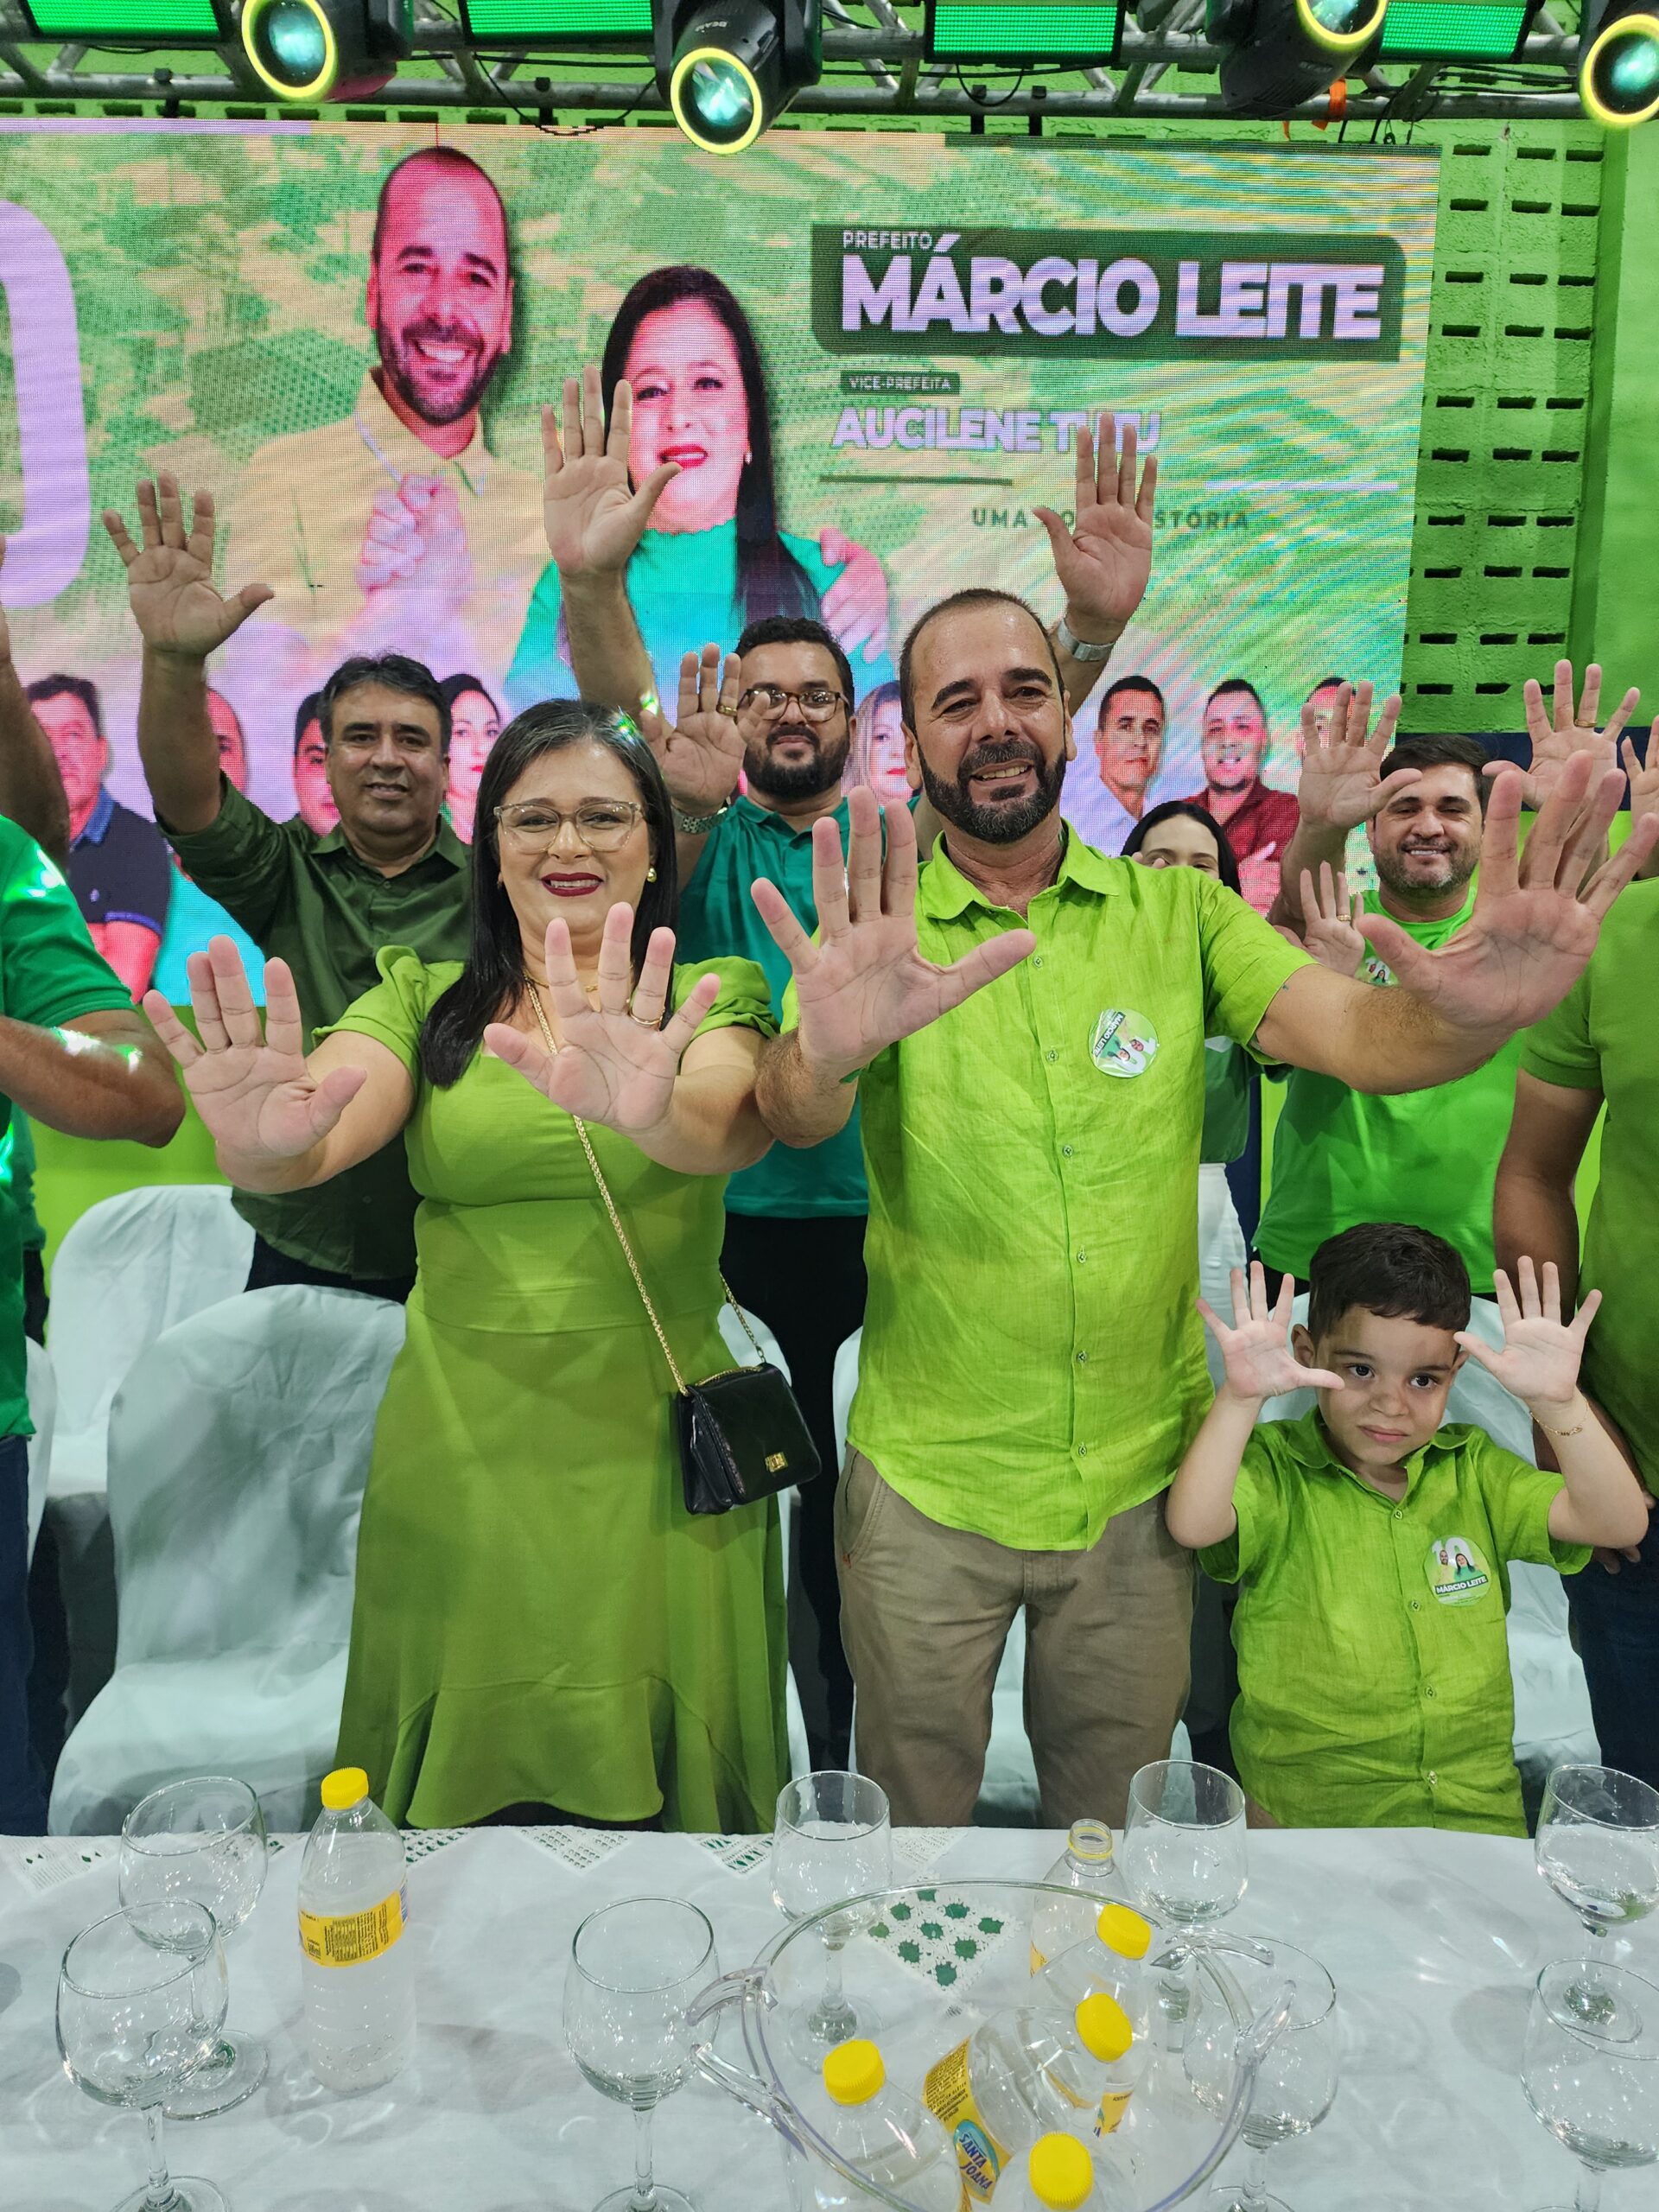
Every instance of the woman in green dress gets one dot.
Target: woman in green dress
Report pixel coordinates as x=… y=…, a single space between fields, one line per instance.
x=538 y=1622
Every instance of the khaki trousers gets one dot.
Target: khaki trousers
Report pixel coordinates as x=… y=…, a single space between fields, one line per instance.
x=925 y=1612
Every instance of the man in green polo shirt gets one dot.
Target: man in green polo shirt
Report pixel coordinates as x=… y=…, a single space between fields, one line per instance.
x=1024 y=1027
x=391 y=873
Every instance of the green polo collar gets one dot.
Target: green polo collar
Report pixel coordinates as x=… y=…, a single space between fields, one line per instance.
x=763 y=817
x=446 y=846
x=944 y=891
x=1306 y=1441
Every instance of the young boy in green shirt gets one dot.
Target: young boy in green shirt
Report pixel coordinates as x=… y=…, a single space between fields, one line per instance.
x=1370 y=1544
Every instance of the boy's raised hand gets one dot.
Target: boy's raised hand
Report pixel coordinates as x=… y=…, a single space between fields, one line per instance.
x=1539 y=1363
x=1260 y=1362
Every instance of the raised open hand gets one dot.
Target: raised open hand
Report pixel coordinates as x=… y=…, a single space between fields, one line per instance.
x=1559 y=733
x=1538 y=914
x=615 y=1062
x=593 y=516
x=253 y=1092
x=1104 y=561
x=865 y=984
x=1342 y=782
x=1539 y=1361
x=1642 y=777
x=177 y=605
x=700 y=751
x=1330 y=921
x=855 y=608
x=1256 y=1349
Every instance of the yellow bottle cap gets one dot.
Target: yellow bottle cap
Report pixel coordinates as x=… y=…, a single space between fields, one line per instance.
x=1104 y=2027
x=1062 y=2173
x=1091 y=1840
x=1123 y=1931
x=346 y=1787
x=854 y=2072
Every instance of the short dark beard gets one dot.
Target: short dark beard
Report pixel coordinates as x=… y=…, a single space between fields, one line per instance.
x=394 y=369
x=810 y=779
x=1463 y=867
x=994 y=826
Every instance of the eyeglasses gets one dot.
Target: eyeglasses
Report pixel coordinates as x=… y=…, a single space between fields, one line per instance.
x=815 y=700
x=601 y=825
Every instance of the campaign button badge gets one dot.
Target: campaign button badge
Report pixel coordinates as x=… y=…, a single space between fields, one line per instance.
x=1457 y=1570
x=1124 y=1043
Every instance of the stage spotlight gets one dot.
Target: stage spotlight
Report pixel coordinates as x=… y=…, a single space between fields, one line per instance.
x=728 y=68
x=326 y=50
x=1284 y=52
x=1619 y=62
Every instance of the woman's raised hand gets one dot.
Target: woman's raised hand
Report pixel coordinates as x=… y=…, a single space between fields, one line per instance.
x=616 y=1061
x=252 y=1089
x=1260 y=1362
x=593 y=516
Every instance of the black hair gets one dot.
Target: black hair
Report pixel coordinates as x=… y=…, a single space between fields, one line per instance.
x=1131 y=683
x=444 y=157
x=1447 y=752
x=396 y=672
x=974 y=595
x=76 y=687
x=1328 y=683
x=309 y=710
x=770 y=580
x=799 y=630
x=494 y=979
x=1389 y=1269
x=1237 y=683
x=1227 y=863
x=457 y=686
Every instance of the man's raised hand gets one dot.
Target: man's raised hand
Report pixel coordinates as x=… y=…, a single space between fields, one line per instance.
x=1556 y=734
x=1342 y=782
x=1104 y=561
x=593 y=516
x=177 y=605
x=700 y=751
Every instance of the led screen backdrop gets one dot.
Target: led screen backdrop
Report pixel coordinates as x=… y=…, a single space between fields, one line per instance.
x=930 y=320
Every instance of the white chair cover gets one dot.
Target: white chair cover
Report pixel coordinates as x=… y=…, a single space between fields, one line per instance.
x=43 y=1412
x=238 y=1447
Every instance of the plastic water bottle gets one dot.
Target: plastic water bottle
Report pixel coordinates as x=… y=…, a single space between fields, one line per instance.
x=1110 y=1962
x=1085 y=1868
x=1022 y=2075
x=1058 y=2175
x=897 y=2143
x=356 y=1970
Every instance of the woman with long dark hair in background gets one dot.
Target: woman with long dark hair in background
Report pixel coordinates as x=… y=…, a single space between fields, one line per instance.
x=714 y=558
x=540 y=1629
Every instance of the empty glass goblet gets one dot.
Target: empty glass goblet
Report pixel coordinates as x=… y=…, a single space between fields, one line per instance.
x=1296 y=2070
x=1598 y=1848
x=1183 y=1855
x=203 y=1839
x=833 y=1842
x=1594 y=2082
x=635 y=1970
x=141 y=2000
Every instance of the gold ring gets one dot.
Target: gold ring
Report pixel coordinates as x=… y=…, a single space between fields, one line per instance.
x=643 y=1023
x=728 y=713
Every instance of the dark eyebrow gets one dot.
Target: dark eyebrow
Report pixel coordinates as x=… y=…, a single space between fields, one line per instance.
x=419 y=251
x=1419 y=1367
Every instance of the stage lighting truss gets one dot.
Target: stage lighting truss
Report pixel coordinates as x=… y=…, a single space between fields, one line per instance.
x=305 y=50
x=728 y=68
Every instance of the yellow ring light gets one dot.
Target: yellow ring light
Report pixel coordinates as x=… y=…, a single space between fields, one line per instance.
x=322 y=83
x=1616 y=118
x=683 y=68
x=1340 y=42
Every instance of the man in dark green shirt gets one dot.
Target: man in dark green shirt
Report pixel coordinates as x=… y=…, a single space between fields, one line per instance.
x=391 y=873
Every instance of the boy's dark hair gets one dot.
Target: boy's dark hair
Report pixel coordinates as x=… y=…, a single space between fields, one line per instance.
x=1448 y=751
x=799 y=630
x=1391 y=1268
x=397 y=672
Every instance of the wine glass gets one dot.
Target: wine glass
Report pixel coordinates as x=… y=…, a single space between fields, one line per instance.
x=1594 y=2083
x=1183 y=1854
x=1295 y=2081
x=833 y=1842
x=203 y=1839
x=1598 y=1848
x=635 y=1970
x=141 y=2000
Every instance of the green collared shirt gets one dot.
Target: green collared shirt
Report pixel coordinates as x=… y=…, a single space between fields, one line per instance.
x=311 y=901
x=1373 y=1659
x=1031 y=1362
x=718 y=920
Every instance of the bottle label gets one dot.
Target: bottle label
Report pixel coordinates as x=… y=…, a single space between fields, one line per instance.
x=949 y=2096
x=1038 y=1959
x=351 y=1939
x=1113 y=2106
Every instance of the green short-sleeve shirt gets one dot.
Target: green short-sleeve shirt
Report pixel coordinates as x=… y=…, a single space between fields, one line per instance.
x=1227 y=1069
x=1605 y=1036
x=1031 y=1362
x=1373 y=1658
x=1342 y=1156
x=49 y=973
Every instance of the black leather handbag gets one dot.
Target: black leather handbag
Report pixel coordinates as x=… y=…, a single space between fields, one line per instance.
x=741 y=1435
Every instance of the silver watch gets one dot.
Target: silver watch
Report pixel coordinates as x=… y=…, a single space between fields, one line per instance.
x=699 y=825
x=1079 y=648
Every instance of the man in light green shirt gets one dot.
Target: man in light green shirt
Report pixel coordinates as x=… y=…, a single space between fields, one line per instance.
x=1026 y=1026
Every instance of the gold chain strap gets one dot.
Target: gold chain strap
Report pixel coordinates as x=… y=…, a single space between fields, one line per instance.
x=622 y=1234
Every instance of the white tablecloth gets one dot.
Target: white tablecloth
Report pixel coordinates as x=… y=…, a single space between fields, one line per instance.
x=1433 y=1941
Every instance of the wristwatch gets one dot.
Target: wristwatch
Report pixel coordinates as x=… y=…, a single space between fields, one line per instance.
x=699 y=825
x=1079 y=648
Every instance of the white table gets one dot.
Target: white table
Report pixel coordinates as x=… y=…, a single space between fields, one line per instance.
x=1433 y=1941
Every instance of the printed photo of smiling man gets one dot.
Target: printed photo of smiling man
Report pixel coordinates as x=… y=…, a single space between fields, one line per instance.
x=1260 y=822
x=1107 y=787
x=397 y=527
